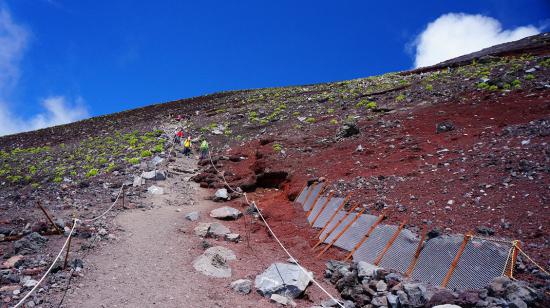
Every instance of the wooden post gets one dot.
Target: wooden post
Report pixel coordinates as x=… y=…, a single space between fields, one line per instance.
x=515 y=246
x=467 y=237
x=417 y=253
x=390 y=242
x=315 y=200
x=322 y=208
x=342 y=232
x=371 y=229
x=123 y=193
x=68 y=248
x=334 y=214
x=49 y=217
x=335 y=226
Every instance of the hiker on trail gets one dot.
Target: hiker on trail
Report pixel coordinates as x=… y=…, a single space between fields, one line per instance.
x=204 y=148
x=187 y=146
x=178 y=137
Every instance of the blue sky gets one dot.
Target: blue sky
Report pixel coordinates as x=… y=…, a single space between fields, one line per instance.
x=99 y=57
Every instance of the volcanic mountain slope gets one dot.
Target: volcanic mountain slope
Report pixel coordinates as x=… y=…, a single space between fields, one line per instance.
x=459 y=146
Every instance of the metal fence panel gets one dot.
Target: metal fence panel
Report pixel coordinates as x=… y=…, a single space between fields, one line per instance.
x=375 y=243
x=356 y=232
x=315 y=191
x=480 y=262
x=332 y=206
x=302 y=197
x=435 y=259
x=401 y=253
x=316 y=208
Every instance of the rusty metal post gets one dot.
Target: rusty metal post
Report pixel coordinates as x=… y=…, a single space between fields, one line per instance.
x=322 y=208
x=334 y=214
x=467 y=237
x=417 y=253
x=342 y=232
x=390 y=242
x=371 y=229
x=335 y=226
x=49 y=217
x=68 y=247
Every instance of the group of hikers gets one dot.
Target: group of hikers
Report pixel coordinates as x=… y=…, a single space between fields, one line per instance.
x=187 y=143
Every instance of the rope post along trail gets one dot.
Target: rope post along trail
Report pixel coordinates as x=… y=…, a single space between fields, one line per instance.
x=51 y=266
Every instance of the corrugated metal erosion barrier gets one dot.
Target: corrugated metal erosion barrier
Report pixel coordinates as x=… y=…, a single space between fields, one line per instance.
x=452 y=261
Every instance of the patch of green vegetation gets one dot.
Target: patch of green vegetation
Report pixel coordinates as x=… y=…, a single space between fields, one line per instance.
x=146 y=153
x=483 y=85
x=227 y=132
x=371 y=105
x=516 y=84
x=158 y=148
x=545 y=62
x=92 y=172
x=296 y=113
x=253 y=116
x=493 y=88
x=429 y=87
x=400 y=98
x=134 y=160
x=264 y=121
x=277 y=147
x=310 y=120
x=529 y=77
x=333 y=121
x=58 y=179
x=330 y=110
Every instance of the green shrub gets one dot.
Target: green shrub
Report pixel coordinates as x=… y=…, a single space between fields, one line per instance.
x=32 y=170
x=310 y=120
x=92 y=172
x=493 y=88
x=158 y=148
x=334 y=121
x=400 y=97
x=277 y=147
x=483 y=85
x=58 y=179
x=506 y=86
x=146 y=153
x=134 y=160
x=296 y=113
x=330 y=111
x=516 y=84
x=429 y=87
x=529 y=77
x=111 y=167
x=371 y=105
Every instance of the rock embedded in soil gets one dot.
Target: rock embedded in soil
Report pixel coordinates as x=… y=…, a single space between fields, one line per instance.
x=213 y=262
x=233 y=237
x=294 y=281
x=242 y=286
x=221 y=195
x=155 y=175
x=12 y=261
x=283 y=300
x=155 y=190
x=31 y=243
x=226 y=213
x=202 y=229
x=347 y=130
x=192 y=216
x=217 y=230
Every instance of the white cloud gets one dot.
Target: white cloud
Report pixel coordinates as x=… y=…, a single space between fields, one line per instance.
x=455 y=34
x=57 y=109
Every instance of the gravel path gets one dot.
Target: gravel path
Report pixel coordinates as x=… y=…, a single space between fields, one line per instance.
x=150 y=264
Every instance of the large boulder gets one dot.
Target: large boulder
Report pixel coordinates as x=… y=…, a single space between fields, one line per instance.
x=213 y=262
x=365 y=269
x=416 y=292
x=226 y=213
x=284 y=279
x=154 y=175
x=217 y=230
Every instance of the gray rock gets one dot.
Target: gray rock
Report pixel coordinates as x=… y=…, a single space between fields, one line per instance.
x=416 y=293
x=380 y=301
x=226 y=213
x=192 y=216
x=517 y=303
x=155 y=190
x=403 y=298
x=283 y=300
x=242 y=286
x=293 y=284
x=365 y=269
x=138 y=181
x=445 y=126
x=156 y=160
x=485 y=230
x=154 y=175
x=29 y=244
x=202 y=229
x=221 y=195
x=233 y=237
x=213 y=262
x=392 y=300
x=347 y=130
x=218 y=230
x=381 y=286
x=29 y=283
x=329 y=303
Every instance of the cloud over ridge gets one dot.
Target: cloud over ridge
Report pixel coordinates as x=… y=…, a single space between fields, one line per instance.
x=455 y=34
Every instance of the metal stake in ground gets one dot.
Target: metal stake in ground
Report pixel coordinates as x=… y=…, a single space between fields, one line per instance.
x=68 y=247
x=49 y=217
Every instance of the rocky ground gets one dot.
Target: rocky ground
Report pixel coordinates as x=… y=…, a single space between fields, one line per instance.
x=456 y=147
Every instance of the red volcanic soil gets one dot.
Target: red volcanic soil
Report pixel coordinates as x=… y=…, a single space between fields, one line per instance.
x=491 y=170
